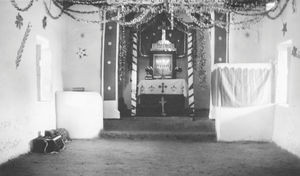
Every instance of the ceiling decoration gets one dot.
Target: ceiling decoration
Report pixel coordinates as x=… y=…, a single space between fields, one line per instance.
x=192 y=13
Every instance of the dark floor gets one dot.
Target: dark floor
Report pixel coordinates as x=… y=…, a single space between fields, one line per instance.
x=158 y=158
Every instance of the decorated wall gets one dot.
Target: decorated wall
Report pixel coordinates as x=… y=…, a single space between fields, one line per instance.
x=259 y=44
x=286 y=122
x=26 y=107
x=81 y=64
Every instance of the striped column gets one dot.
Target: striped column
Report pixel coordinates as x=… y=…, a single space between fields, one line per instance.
x=134 y=74
x=190 y=74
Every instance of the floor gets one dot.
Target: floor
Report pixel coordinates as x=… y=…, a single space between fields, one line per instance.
x=102 y=157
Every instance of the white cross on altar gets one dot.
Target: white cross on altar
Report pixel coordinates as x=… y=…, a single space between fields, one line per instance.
x=163 y=102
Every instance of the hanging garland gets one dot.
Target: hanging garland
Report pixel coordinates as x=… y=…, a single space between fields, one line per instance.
x=148 y=9
x=82 y=12
x=201 y=60
x=136 y=20
x=280 y=12
x=14 y=3
x=88 y=2
x=122 y=53
x=49 y=13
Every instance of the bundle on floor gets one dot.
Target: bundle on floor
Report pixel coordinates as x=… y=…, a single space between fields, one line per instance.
x=53 y=141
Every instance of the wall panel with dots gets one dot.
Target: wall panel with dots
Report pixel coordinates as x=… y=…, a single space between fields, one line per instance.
x=220 y=51
x=110 y=61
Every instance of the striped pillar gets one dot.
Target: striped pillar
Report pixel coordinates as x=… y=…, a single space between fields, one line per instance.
x=190 y=74
x=134 y=74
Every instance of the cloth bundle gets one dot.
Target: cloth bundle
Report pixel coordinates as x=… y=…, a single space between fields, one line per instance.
x=53 y=141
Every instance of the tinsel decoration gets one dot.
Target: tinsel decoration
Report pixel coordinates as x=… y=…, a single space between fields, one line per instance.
x=21 y=49
x=50 y=14
x=198 y=11
x=200 y=58
x=274 y=14
x=122 y=53
x=14 y=3
x=19 y=21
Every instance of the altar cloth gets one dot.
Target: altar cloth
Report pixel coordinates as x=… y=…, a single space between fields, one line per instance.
x=163 y=86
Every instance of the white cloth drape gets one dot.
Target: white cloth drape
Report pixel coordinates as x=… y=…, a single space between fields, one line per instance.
x=163 y=86
x=241 y=85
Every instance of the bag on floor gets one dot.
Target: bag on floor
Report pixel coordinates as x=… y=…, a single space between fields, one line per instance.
x=47 y=144
x=38 y=145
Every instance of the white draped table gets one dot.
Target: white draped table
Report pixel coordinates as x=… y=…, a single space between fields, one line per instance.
x=163 y=86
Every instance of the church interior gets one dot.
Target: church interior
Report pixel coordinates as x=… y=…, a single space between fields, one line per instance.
x=149 y=87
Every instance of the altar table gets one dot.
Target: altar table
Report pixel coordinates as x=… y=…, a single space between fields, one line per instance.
x=161 y=97
x=163 y=87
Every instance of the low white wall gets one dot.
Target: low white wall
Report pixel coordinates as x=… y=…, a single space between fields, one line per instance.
x=286 y=129
x=244 y=124
x=287 y=119
x=81 y=113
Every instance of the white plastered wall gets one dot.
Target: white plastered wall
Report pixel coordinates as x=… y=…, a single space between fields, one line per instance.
x=22 y=115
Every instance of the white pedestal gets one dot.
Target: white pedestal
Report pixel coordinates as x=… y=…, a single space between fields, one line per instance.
x=111 y=110
x=245 y=124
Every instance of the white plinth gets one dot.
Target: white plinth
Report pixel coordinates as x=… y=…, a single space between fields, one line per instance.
x=110 y=110
x=81 y=113
x=245 y=124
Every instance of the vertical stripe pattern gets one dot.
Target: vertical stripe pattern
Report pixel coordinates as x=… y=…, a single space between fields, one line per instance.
x=190 y=73
x=134 y=75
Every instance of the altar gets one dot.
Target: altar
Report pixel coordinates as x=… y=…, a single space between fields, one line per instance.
x=162 y=93
x=161 y=97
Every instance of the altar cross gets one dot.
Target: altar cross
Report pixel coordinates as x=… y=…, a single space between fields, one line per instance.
x=162 y=86
x=163 y=102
